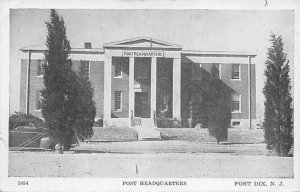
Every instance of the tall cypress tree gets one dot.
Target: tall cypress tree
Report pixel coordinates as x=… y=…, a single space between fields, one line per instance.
x=278 y=109
x=85 y=106
x=59 y=82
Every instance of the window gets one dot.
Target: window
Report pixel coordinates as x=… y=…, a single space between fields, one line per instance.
x=235 y=71
x=85 y=68
x=40 y=68
x=216 y=70
x=236 y=103
x=164 y=101
x=196 y=71
x=38 y=105
x=118 y=100
x=118 y=70
x=236 y=123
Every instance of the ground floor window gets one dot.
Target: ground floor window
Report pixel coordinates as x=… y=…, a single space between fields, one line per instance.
x=235 y=123
x=41 y=67
x=196 y=71
x=38 y=105
x=118 y=100
x=236 y=103
x=85 y=68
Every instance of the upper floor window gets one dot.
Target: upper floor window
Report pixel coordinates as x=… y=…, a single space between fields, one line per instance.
x=236 y=103
x=118 y=100
x=40 y=67
x=118 y=70
x=38 y=95
x=85 y=67
x=196 y=71
x=236 y=71
x=216 y=70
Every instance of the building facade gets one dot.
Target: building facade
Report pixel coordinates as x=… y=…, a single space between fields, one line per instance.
x=137 y=80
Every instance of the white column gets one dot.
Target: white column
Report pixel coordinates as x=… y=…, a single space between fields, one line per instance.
x=176 y=87
x=153 y=86
x=28 y=82
x=131 y=88
x=249 y=90
x=107 y=91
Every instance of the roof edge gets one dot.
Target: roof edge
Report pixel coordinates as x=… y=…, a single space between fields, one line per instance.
x=218 y=53
x=73 y=50
x=113 y=44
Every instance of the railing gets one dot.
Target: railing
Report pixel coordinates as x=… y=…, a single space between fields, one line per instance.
x=154 y=118
x=131 y=117
x=135 y=121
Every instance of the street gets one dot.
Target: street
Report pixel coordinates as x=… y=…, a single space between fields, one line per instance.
x=132 y=160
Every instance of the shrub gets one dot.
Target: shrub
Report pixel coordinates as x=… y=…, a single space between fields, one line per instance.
x=164 y=122
x=98 y=123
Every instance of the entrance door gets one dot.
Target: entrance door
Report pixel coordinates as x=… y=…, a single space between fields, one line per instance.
x=141 y=106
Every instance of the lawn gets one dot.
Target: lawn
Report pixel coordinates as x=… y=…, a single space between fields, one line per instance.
x=235 y=135
x=114 y=134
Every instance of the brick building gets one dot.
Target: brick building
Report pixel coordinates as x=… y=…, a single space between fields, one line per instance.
x=142 y=78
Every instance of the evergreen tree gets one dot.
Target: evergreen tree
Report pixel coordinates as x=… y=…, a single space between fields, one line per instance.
x=86 y=110
x=59 y=83
x=278 y=109
x=218 y=107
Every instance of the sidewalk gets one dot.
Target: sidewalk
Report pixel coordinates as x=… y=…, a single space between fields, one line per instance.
x=139 y=147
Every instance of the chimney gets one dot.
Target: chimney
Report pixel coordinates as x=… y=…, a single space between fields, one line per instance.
x=87 y=45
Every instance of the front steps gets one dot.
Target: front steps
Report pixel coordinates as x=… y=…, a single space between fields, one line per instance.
x=146 y=130
x=148 y=134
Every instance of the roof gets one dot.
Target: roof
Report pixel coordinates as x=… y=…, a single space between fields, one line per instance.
x=39 y=48
x=218 y=53
x=142 y=42
x=147 y=43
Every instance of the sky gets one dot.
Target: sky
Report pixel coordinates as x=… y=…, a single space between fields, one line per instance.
x=205 y=30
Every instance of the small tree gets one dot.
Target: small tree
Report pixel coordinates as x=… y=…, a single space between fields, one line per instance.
x=59 y=83
x=219 y=107
x=278 y=109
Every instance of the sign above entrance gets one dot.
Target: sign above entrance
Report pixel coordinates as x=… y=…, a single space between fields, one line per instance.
x=142 y=53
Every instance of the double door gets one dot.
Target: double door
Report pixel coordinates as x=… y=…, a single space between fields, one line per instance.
x=141 y=105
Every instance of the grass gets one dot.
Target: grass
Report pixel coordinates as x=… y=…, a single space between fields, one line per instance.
x=235 y=135
x=114 y=134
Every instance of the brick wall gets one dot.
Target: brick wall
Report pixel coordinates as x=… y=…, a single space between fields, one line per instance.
x=237 y=86
x=164 y=84
x=36 y=84
x=120 y=84
x=241 y=87
x=23 y=85
x=97 y=81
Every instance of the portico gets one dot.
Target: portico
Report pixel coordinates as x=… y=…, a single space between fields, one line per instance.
x=134 y=86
